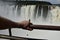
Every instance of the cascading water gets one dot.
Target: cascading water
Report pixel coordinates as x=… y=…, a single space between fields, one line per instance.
x=36 y=13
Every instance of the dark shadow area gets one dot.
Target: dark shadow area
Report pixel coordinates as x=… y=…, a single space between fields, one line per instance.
x=33 y=2
x=37 y=39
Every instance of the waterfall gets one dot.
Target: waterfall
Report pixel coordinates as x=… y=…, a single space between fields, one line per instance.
x=36 y=13
x=55 y=13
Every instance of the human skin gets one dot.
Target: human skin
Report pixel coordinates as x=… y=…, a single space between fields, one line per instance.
x=6 y=23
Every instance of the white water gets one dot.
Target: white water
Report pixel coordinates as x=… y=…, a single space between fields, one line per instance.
x=9 y=11
x=18 y=13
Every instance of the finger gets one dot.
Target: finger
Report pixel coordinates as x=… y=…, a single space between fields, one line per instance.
x=31 y=24
x=30 y=29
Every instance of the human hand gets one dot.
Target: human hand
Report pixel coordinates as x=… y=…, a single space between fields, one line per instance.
x=26 y=25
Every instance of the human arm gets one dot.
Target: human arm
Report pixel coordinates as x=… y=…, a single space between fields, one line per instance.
x=6 y=23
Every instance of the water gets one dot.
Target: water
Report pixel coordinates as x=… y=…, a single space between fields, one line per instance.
x=37 y=14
